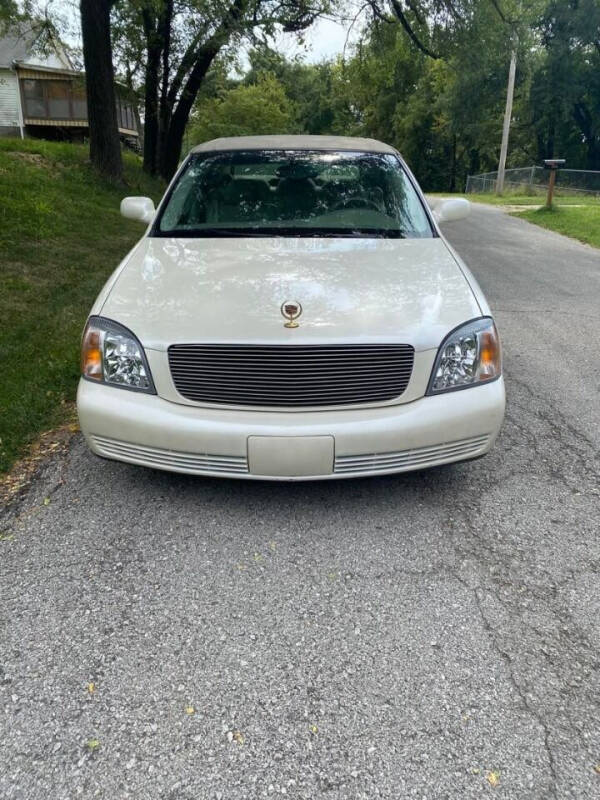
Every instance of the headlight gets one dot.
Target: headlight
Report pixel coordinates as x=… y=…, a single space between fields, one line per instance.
x=111 y=354
x=468 y=356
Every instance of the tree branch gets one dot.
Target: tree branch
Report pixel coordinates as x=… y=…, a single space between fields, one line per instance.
x=498 y=10
x=399 y=12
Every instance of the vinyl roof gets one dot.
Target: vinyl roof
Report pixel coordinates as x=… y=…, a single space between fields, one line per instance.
x=349 y=143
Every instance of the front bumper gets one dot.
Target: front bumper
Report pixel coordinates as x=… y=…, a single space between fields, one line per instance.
x=148 y=430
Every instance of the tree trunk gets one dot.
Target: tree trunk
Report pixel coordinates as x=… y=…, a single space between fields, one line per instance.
x=452 y=185
x=151 y=94
x=151 y=111
x=165 y=108
x=173 y=142
x=178 y=114
x=585 y=122
x=105 y=147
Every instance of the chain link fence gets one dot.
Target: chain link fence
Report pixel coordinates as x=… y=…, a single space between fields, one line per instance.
x=534 y=180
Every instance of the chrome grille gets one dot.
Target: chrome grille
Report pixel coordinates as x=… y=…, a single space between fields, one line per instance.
x=411 y=459
x=291 y=375
x=169 y=459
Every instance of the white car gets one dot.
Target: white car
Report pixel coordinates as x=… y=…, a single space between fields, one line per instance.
x=291 y=312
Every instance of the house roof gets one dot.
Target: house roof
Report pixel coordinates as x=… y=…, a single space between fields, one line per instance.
x=33 y=43
x=348 y=143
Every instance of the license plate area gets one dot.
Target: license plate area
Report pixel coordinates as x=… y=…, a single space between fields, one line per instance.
x=290 y=456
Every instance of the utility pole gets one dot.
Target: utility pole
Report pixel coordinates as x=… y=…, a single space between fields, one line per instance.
x=510 y=91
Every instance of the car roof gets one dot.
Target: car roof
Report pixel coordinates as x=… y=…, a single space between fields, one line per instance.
x=348 y=143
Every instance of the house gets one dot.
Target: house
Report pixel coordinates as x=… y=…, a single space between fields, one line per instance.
x=43 y=95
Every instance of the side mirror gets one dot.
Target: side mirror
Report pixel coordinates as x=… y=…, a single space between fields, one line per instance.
x=140 y=208
x=452 y=209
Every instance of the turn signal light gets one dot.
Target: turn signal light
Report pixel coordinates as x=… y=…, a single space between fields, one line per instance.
x=91 y=355
x=489 y=355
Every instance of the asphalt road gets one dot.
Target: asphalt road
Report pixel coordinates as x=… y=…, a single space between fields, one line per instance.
x=425 y=635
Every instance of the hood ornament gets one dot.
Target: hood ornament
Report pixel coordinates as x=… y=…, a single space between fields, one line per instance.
x=291 y=310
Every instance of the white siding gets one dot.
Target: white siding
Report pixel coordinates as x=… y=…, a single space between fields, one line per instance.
x=50 y=59
x=9 y=99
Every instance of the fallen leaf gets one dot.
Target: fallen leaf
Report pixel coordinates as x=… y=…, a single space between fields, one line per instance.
x=597 y=768
x=46 y=501
x=493 y=778
x=91 y=687
x=190 y=710
x=92 y=744
x=314 y=729
x=475 y=770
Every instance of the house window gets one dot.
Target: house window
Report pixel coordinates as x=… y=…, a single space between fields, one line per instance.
x=128 y=118
x=58 y=99
x=53 y=99
x=79 y=101
x=125 y=115
x=33 y=94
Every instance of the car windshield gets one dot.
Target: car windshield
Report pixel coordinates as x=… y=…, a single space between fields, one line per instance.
x=303 y=193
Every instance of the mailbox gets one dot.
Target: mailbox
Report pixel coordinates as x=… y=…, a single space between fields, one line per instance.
x=554 y=163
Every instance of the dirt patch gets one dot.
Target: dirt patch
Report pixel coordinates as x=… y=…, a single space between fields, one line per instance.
x=35 y=159
x=47 y=446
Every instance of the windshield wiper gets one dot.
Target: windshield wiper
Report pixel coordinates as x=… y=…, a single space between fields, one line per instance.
x=198 y=233
x=244 y=233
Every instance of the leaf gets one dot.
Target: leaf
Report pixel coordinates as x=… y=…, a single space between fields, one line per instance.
x=190 y=710
x=92 y=744
x=46 y=501
x=314 y=729
x=91 y=687
x=238 y=736
x=493 y=778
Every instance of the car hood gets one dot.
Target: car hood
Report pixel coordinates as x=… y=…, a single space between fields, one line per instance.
x=231 y=289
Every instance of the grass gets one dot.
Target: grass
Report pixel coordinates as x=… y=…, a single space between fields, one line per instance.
x=578 y=223
x=61 y=236
x=528 y=200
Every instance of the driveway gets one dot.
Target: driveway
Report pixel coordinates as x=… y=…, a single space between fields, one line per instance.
x=433 y=635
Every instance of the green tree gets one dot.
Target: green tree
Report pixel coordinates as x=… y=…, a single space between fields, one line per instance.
x=12 y=12
x=565 y=90
x=440 y=100
x=311 y=87
x=259 y=108
x=181 y=42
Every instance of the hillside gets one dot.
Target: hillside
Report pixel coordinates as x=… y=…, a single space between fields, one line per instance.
x=61 y=235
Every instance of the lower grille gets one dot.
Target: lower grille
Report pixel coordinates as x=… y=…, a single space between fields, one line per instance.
x=169 y=459
x=291 y=375
x=411 y=459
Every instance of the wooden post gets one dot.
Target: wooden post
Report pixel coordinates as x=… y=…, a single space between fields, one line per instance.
x=553 y=165
x=551 y=182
